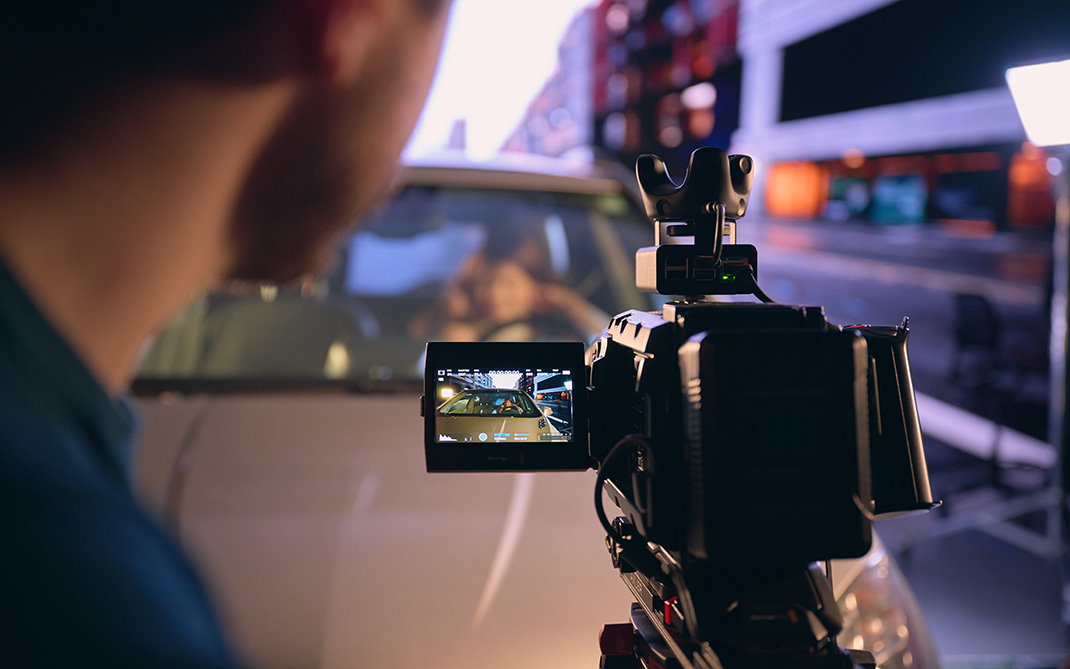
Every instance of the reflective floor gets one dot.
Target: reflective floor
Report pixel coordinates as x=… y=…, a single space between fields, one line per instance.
x=989 y=602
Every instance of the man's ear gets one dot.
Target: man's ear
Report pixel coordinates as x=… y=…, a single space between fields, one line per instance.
x=337 y=35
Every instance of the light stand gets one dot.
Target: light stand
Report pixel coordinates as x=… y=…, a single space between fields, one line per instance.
x=1042 y=95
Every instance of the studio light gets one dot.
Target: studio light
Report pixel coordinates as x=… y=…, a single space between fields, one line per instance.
x=1042 y=94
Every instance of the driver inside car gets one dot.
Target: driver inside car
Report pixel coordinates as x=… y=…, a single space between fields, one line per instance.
x=512 y=295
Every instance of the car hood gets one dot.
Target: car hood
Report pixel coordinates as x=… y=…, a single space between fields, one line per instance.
x=326 y=542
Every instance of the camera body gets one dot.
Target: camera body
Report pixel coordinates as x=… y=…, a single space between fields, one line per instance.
x=769 y=433
x=761 y=452
x=750 y=439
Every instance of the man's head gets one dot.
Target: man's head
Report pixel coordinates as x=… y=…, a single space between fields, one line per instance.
x=355 y=74
x=334 y=155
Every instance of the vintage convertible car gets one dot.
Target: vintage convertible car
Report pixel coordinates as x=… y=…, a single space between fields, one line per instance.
x=284 y=442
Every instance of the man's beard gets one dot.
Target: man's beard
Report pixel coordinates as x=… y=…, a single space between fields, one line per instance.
x=307 y=188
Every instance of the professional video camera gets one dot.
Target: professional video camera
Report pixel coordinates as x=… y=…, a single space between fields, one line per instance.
x=743 y=442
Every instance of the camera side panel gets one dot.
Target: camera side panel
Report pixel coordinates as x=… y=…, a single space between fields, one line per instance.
x=777 y=443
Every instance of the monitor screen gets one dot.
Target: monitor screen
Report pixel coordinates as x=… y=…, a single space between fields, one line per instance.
x=514 y=406
x=504 y=405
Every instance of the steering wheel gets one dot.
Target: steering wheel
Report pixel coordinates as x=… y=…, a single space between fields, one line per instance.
x=538 y=327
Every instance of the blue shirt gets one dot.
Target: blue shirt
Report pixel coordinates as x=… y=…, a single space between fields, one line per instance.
x=87 y=579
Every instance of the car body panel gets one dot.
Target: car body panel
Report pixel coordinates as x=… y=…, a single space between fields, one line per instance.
x=328 y=544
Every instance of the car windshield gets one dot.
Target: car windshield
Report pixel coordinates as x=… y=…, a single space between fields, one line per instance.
x=441 y=262
x=496 y=402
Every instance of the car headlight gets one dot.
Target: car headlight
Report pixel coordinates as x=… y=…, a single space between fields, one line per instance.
x=881 y=616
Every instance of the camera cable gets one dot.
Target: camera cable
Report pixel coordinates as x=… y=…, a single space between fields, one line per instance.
x=633 y=550
x=628 y=440
x=756 y=290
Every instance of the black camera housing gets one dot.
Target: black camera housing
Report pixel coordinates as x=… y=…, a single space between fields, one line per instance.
x=763 y=453
x=777 y=436
x=742 y=442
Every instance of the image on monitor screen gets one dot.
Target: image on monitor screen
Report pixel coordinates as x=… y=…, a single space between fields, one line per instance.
x=503 y=405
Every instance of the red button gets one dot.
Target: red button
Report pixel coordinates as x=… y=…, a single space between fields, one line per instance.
x=668 y=610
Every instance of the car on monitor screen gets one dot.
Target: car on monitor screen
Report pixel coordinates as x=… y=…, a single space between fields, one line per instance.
x=495 y=414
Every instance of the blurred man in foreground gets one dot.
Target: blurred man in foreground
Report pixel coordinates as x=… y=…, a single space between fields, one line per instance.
x=147 y=152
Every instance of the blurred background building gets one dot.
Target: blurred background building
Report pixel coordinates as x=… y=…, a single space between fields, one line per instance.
x=896 y=111
x=667 y=75
x=886 y=111
x=560 y=116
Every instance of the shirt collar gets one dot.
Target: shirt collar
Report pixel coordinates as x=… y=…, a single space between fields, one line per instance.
x=43 y=374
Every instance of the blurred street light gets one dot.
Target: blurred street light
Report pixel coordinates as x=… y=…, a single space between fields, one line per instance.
x=1042 y=95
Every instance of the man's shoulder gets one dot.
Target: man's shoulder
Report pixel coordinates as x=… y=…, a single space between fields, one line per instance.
x=86 y=559
x=34 y=447
x=53 y=487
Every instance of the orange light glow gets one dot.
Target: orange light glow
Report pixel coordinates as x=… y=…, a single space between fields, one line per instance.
x=796 y=190
x=1029 y=189
x=1030 y=150
x=853 y=158
x=700 y=123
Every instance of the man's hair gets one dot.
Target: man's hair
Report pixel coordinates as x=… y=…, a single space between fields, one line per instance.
x=55 y=54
